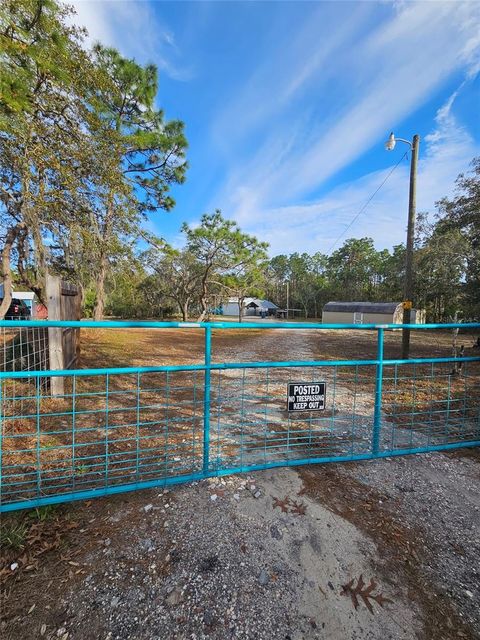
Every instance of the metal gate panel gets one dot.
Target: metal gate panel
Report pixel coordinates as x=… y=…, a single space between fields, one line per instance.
x=119 y=429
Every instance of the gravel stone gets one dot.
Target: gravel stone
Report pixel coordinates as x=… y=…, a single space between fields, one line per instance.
x=217 y=575
x=445 y=509
x=275 y=532
x=175 y=597
x=208 y=618
x=263 y=578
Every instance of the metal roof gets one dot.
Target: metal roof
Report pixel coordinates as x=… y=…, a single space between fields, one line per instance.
x=23 y=295
x=246 y=301
x=266 y=304
x=362 y=307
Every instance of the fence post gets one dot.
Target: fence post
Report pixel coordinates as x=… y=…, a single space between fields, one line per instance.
x=206 y=400
x=55 y=334
x=2 y=423
x=377 y=416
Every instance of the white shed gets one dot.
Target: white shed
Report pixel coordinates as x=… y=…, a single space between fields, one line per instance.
x=368 y=313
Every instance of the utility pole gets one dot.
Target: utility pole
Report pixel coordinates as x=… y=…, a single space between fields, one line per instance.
x=288 y=296
x=412 y=202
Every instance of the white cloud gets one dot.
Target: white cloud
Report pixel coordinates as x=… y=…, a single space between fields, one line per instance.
x=135 y=29
x=387 y=75
x=316 y=226
x=300 y=56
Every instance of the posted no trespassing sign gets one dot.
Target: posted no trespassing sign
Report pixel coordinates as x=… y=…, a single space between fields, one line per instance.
x=306 y=396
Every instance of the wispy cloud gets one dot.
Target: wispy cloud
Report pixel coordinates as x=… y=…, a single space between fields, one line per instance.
x=396 y=66
x=318 y=225
x=290 y=110
x=135 y=29
x=300 y=57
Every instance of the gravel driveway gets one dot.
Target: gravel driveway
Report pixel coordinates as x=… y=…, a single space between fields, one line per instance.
x=211 y=560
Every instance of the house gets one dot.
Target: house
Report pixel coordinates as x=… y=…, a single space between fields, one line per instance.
x=251 y=307
x=368 y=313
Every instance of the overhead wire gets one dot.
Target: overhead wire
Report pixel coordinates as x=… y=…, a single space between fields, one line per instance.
x=359 y=213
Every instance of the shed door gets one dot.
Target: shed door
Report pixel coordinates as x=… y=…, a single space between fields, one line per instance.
x=357 y=317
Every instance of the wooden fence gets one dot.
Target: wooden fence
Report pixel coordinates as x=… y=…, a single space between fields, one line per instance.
x=44 y=348
x=64 y=303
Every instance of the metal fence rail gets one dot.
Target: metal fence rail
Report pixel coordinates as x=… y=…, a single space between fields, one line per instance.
x=124 y=428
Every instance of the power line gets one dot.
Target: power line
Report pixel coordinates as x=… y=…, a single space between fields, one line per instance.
x=367 y=202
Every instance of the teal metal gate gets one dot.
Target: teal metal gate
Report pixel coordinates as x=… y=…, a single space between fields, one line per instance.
x=118 y=429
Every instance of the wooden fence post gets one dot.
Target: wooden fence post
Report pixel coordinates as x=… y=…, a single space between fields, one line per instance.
x=55 y=334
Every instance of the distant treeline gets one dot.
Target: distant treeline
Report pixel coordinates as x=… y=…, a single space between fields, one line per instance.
x=218 y=261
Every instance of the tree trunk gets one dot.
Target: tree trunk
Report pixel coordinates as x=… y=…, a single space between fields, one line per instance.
x=204 y=293
x=203 y=301
x=184 y=310
x=99 y=308
x=6 y=270
x=37 y=285
x=204 y=311
x=104 y=235
x=34 y=279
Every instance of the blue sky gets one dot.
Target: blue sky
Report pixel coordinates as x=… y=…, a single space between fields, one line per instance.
x=287 y=106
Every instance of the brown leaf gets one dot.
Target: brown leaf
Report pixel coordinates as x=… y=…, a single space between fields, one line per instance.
x=365 y=592
x=298 y=508
x=380 y=599
x=283 y=504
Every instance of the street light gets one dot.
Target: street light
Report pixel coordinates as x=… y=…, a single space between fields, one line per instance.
x=392 y=141
x=407 y=303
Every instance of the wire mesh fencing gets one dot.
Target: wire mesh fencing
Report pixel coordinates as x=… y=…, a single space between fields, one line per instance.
x=105 y=430
x=423 y=407
x=430 y=404
x=123 y=428
x=23 y=348
x=252 y=426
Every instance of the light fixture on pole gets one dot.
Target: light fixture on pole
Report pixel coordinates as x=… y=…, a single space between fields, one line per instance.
x=408 y=292
x=390 y=143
